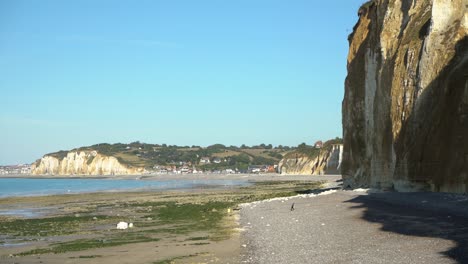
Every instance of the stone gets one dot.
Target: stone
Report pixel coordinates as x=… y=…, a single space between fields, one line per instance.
x=122 y=225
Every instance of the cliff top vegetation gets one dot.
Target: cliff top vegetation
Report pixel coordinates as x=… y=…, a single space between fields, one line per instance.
x=304 y=150
x=139 y=154
x=214 y=157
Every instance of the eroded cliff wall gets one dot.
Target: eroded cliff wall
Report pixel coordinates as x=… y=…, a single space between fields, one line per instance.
x=82 y=163
x=405 y=109
x=327 y=162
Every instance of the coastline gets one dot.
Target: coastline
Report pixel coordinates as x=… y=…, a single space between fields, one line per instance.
x=210 y=234
x=251 y=177
x=147 y=183
x=253 y=224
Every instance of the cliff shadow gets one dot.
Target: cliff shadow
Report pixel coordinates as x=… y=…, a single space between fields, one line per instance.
x=431 y=151
x=396 y=216
x=432 y=148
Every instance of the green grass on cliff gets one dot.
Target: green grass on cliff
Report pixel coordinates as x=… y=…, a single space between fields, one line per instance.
x=59 y=154
x=312 y=152
x=367 y=5
x=142 y=155
x=148 y=155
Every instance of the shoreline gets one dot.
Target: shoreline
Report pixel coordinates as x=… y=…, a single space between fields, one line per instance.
x=255 y=177
x=197 y=183
x=176 y=225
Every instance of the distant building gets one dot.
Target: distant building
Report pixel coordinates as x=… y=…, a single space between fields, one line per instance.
x=318 y=144
x=255 y=168
x=16 y=169
x=217 y=160
x=205 y=160
x=185 y=170
x=271 y=169
x=25 y=170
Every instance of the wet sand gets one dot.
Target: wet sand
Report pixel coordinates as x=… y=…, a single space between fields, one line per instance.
x=187 y=247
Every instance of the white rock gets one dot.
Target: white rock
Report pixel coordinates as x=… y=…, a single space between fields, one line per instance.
x=122 y=225
x=361 y=190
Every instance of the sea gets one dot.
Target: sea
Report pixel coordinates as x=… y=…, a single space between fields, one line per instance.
x=39 y=187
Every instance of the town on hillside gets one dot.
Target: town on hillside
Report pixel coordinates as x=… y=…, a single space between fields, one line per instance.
x=15 y=169
x=172 y=159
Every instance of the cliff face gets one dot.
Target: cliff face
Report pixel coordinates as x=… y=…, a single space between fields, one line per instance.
x=327 y=162
x=82 y=163
x=405 y=110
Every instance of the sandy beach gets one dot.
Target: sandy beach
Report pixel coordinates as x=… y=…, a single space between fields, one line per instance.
x=253 y=224
x=177 y=226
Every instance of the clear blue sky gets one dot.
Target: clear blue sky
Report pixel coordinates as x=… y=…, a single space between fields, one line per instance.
x=183 y=72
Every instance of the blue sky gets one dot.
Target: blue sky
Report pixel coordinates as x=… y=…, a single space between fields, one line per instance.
x=179 y=72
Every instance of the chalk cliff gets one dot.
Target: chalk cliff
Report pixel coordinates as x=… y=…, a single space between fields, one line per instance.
x=405 y=109
x=82 y=163
x=328 y=161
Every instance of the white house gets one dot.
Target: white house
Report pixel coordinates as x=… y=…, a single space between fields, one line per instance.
x=205 y=160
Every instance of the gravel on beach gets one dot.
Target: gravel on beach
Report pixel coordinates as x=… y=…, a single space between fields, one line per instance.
x=356 y=227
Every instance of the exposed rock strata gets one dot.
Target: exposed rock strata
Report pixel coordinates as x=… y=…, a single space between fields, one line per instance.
x=405 y=110
x=327 y=162
x=82 y=163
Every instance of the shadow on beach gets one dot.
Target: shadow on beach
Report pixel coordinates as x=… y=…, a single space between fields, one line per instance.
x=407 y=217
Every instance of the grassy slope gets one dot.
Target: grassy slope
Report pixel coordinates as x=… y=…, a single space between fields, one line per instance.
x=311 y=151
x=149 y=155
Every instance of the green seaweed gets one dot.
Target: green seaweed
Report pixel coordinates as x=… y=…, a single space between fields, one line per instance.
x=169 y=217
x=61 y=225
x=84 y=244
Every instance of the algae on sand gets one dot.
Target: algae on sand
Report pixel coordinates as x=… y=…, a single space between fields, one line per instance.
x=202 y=218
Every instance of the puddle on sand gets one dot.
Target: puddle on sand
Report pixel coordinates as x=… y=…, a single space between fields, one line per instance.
x=26 y=212
x=9 y=242
x=20 y=244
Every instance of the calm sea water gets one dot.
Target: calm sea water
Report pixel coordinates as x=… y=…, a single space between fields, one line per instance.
x=37 y=187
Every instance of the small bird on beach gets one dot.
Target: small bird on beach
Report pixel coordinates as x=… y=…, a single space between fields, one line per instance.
x=292 y=207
